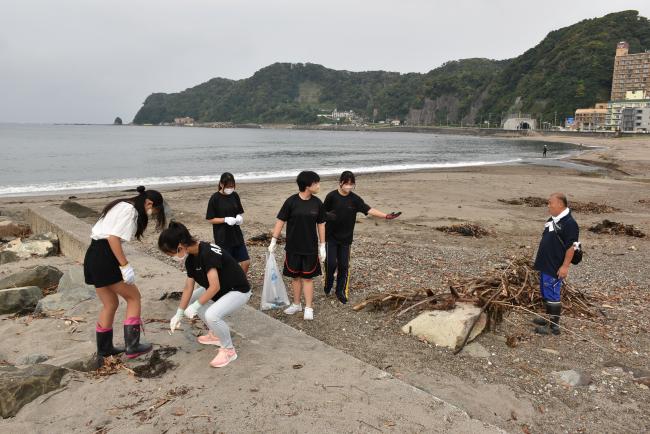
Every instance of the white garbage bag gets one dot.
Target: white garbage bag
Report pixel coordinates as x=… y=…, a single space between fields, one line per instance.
x=274 y=293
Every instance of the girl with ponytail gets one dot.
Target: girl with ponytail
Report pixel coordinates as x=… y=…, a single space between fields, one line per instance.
x=107 y=268
x=223 y=288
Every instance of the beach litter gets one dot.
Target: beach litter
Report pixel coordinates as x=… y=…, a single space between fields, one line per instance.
x=263 y=239
x=576 y=206
x=174 y=295
x=465 y=229
x=615 y=228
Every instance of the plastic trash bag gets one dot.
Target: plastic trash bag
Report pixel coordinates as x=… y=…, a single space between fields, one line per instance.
x=274 y=293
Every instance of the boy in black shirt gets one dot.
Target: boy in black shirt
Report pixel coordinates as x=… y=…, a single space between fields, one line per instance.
x=223 y=288
x=305 y=218
x=556 y=248
x=341 y=208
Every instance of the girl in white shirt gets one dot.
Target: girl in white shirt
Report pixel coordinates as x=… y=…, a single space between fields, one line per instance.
x=106 y=267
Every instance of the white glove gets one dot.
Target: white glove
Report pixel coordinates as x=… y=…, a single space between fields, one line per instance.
x=274 y=241
x=239 y=219
x=175 y=322
x=128 y=275
x=321 y=251
x=230 y=221
x=192 y=309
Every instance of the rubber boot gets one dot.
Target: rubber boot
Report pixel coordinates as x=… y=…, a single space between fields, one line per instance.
x=105 y=342
x=132 y=338
x=542 y=321
x=556 y=311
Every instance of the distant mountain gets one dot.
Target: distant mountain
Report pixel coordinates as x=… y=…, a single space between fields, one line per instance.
x=571 y=68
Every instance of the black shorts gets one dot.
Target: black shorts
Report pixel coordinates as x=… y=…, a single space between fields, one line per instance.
x=304 y=266
x=240 y=253
x=101 y=267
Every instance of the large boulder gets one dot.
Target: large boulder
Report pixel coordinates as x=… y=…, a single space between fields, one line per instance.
x=65 y=300
x=20 y=386
x=447 y=328
x=19 y=300
x=41 y=245
x=72 y=279
x=7 y=257
x=11 y=230
x=43 y=276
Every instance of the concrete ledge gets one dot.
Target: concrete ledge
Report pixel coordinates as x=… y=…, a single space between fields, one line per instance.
x=74 y=235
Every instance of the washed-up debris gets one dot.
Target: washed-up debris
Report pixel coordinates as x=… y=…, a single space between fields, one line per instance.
x=263 y=239
x=112 y=365
x=514 y=284
x=174 y=295
x=531 y=201
x=579 y=207
x=157 y=364
x=465 y=229
x=615 y=228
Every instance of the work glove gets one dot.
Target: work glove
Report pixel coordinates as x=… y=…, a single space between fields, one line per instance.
x=274 y=241
x=192 y=309
x=128 y=274
x=175 y=322
x=239 y=219
x=321 y=251
x=393 y=215
x=230 y=221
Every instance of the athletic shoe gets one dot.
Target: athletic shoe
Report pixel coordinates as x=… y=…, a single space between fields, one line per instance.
x=309 y=313
x=209 y=339
x=294 y=308
x=341 y=296
x=223 y=357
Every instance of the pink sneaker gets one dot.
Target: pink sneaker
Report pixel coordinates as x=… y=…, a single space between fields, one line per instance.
x=223 y=357
x=209 y=339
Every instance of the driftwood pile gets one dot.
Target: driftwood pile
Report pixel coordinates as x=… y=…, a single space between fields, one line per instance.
x=263 y=239
x=465 y=229
x=579 y=207
x=615 y=228
x=515 y=284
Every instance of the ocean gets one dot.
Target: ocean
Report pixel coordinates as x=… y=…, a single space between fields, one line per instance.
x=46 y=159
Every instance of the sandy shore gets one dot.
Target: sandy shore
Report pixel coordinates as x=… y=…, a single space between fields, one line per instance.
x=410 y=253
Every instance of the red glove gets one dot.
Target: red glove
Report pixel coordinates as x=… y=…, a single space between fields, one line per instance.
x=393 y=215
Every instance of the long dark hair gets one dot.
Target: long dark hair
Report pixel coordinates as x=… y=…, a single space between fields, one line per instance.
x=347 y=177
x=173 y=236
x=138 y=204
x=227 y=179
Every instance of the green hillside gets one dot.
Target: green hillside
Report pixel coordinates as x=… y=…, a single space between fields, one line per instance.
x=571 y=68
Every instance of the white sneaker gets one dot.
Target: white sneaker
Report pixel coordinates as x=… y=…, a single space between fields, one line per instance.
x=309 y=313
x=294 y=308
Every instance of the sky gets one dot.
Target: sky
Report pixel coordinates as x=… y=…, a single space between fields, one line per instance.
x=88 y=61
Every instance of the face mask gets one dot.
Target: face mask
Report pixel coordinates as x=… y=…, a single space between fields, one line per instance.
x=228 y=191
x=180 y=258
x=347 y=188
x=149 y=212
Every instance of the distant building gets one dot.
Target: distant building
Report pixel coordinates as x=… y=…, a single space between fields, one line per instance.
x=187 y=121
x=619 y=113
x=631 y=72
x=395 y=122
x=337 y=115
x=590 y=119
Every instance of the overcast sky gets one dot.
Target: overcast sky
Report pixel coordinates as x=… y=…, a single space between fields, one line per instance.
x=92 y=60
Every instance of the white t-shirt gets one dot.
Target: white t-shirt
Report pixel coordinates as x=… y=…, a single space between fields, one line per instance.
x=121 y=221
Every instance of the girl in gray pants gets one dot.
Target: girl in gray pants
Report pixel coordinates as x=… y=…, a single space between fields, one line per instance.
x=223 y=288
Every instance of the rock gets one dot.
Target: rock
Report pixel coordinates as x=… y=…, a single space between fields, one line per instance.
x=572 y=377
x=20 y=386
x=41 y=245
x=476 y=350
x=6 y=257
x=551 y=351
x=73 y=279
x=447 y=327
x=80 y=358
x=19 y=300
x=65 y=300
x=10 y=229
x=43 y=276
x=31 y=359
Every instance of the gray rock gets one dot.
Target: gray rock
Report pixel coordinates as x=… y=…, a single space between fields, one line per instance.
x=73 y=279
x=41 y=245
x=20 y=386
x=31 y=359
x=476 y=350
x=447 y=328
x=6 y=257
x=65 y=300
x=19 y=300
x=10 y=229
x=572 y=377
x=41 y=276
x=82 y=358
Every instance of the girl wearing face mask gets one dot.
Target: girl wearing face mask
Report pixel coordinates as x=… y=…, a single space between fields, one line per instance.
x=305 y=218
x=341 y=207
x=225 y=213
x=223 y=288
x=107 y=268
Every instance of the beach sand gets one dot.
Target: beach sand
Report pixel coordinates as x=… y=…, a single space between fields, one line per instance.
x=510 y=388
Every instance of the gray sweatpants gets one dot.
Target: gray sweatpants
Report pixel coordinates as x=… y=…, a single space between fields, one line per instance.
x=213 y=312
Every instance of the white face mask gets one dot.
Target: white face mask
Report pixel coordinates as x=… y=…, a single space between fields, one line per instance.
x=180 y=258
x=149 y=212
x=228 y=191
x=347 y=188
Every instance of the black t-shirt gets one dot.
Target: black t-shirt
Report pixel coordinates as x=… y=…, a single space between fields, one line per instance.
x=342 y=215
x=231 y=275
x=302 y=216
x=551 y=252
x=222 y=205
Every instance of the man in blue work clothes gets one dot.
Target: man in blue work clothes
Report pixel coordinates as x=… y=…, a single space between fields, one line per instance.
x=554 y=255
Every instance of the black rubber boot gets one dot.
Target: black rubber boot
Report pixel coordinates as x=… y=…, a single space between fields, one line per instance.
x=105 y=344
x=542 y=321
x=556 y=310
x=132 y=339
